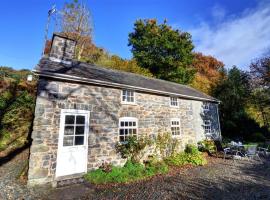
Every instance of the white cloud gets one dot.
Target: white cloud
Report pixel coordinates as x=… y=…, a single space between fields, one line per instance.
x=235 y=40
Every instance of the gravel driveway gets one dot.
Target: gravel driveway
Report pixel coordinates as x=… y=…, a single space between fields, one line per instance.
x=219 y=179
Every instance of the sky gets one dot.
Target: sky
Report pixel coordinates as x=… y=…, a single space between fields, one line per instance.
x=235 y=31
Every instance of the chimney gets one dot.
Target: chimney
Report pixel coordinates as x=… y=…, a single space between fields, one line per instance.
x=62 y=49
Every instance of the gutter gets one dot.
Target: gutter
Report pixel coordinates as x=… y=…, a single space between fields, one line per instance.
x=117 y=85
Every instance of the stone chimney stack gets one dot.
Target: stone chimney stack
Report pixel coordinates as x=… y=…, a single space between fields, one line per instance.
x=62 y=49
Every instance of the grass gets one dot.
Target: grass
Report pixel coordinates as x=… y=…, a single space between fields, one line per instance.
x=129 y=173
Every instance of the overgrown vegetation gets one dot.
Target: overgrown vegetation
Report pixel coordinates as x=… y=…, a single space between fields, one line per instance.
x=133 y=170
x=191 y=155
x=17 y=102
x=130 y=172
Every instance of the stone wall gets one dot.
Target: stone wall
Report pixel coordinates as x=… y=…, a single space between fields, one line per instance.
x=153 y=112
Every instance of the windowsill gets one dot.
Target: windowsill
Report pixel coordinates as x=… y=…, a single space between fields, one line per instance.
x=176 y=136
x=128 y=103
x=174 y=106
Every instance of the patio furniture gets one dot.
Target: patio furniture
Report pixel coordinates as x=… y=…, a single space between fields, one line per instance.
x=219 y=148
x=252 y=152
x=264 y=151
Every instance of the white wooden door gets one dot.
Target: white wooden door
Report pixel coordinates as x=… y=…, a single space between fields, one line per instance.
x=73 y=142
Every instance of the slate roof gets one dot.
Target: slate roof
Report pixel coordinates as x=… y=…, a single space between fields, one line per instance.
x=84 y=71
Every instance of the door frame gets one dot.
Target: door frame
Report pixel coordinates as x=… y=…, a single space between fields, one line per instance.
x=60 y=146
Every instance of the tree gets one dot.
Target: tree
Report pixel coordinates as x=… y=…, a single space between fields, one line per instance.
x=260 y=71
x=166 y=52
x=75 y=22
x=233 y=91
x=260 y=102
x=208 y=72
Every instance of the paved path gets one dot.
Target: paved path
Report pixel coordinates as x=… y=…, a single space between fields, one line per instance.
x=218 y=180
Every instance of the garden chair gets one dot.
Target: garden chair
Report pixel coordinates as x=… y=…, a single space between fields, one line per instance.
x=265 y=151
x=252 y=152
x=219 y=148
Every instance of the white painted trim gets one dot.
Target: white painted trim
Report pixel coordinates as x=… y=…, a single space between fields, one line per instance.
x=220 y=136
x=60 y=146
x=128 y=103
x=127 y=119
x=180 y=129
x=177 y=100
x=210 y=124
x=122 y=86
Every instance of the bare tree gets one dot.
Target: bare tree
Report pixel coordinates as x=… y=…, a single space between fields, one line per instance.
x=75 y=21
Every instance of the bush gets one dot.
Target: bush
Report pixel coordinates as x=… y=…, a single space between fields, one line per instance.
x=207 y=146
x=190 y=156
x=130 y=172
x=166 y=145
x=133 y=148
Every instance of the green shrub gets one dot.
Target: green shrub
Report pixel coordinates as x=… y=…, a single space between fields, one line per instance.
x=166 y=145
x=207 y=146
x=191 y=155
x=128 y=173
x=133 y=148
x=192 y=149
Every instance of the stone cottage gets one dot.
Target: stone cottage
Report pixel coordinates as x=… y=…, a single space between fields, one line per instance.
x=83 y=110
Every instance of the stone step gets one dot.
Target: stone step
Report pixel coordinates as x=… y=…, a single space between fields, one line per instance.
x=70 y=181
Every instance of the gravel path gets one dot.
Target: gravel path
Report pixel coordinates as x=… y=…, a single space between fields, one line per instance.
x=218 y=180
x=11 y=187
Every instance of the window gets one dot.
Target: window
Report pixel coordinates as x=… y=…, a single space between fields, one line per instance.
x=174 y=102
x=128 y=126
x=74 y=129
x=207 y=126
x=206 y=106
x=128 y=96
x=175 y=127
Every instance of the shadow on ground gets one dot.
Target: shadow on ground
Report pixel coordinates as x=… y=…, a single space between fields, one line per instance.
x=219 y=180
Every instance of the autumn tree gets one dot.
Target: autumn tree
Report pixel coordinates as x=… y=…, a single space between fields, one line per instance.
x=166 y=52
x=75 y=22
x=208 y=72
x=260 y=102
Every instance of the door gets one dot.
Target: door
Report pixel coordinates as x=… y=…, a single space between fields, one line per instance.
x=73 y=142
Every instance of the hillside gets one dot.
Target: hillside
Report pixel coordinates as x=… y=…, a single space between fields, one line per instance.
x=17 y=103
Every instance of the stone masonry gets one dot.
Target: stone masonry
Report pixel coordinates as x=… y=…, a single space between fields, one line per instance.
x=104 y=103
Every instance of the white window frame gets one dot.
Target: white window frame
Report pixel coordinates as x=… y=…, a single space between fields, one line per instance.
x=177 y=102
x=64 y=113
x=206 y=106
x=127 y=119
x=207 y=123
x=128 y=102
x=179 y=125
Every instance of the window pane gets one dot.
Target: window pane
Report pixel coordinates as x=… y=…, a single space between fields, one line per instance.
x=69 y=119
x=68 y=141
x=134 y=123
x=79 y=140
x=124 y=98
x=122 y=138
x=80 y=119
x=124 y=92
x=130 y=124
x=79 y=130
x=126 y=123
x=131 y=99
x=126 y=131
x=121 y=132
x=122 y=123
x=69 y=130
